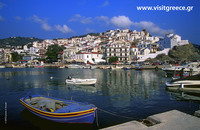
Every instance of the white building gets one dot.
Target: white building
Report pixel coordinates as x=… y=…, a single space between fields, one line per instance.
x=33 y=50
x=134 y=53
x=171 y=40
x=69 y=54
x=119 y=49
x=92 y=57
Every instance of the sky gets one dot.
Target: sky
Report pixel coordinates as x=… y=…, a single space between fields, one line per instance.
x=49 y=19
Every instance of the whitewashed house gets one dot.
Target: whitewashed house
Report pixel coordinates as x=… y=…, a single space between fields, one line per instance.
x=134 y=53
x=89 y=57
x=33 y=50
x=171 y=40
x=69 y=54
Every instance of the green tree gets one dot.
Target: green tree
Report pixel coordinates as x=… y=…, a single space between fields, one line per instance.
x=16 y=57
x=93 y=59
x=53 y=51
x=113 y=59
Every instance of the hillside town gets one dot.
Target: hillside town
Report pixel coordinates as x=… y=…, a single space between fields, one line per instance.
x=129 y=46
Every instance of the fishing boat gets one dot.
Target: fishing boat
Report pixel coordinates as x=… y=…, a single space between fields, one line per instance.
x=127 y=68
x=78 y=81
x=2 y=66
x=138 y=67
x=74 y=66
x=59 y=110
x=195 y=66
x=61 y=67
x=116 y=67
x=190 y=82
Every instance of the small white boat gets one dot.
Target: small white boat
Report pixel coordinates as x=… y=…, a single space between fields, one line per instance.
x=74 y=66
x=191 y=81
x=18 y=66
x=2 y=66
x=117 y=67
x=77 y=81
x=61 y=67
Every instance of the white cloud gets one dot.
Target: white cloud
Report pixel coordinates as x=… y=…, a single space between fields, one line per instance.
x=63 y=29
x=88 y=30
x=1 y=18
x=1 y=5
x=43 y=23
x=82 y=19
x=151 y=27
x=125 y=22
x=106 y=3
x=121 y=21
x=18 y=18
x=103 y=18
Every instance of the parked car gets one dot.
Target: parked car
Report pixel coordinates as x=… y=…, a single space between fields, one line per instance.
x=155 y=63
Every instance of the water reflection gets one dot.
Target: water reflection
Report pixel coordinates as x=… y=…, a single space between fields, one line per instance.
x=130 y=83
x=184 y=96
x=49 y=125
x=131 y=93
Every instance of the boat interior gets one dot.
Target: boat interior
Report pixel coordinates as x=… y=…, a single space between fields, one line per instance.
x=44 y=103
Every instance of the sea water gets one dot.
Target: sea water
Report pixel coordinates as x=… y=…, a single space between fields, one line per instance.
x=120 y=95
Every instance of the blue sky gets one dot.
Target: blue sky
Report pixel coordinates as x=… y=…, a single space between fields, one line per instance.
x=48 y=19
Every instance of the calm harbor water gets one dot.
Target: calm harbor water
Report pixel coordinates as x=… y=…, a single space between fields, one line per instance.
x=126 y=93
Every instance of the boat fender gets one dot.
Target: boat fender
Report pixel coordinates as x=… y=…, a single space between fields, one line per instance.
x=51 y=110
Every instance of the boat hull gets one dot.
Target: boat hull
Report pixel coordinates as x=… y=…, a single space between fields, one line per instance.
x=87 y=116
x=191 y=81
x=138 y=68
x=185 y=83
x=81 y=81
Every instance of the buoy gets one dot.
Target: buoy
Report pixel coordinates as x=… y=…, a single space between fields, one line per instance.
x=129 y=75
x=51 y=77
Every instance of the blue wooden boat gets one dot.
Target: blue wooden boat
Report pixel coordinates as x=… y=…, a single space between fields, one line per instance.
x=138 y=67
x=58 y=110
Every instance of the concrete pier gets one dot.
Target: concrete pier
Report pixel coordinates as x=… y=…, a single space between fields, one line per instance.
x=171 y=120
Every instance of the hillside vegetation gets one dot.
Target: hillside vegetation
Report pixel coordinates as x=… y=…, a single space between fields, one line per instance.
x=181 y=53
x=16 y=41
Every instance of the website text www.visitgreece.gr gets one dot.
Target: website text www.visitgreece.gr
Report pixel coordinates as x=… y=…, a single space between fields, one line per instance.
x=165 y=8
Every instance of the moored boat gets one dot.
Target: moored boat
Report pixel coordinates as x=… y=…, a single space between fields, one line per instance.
x=77 y=81
x=127 y=68
x=138 y=67
x=195 y=66
x=59 y=110
x=116 y=67
x=2 y=66
x=74 y=66
x=190 y=82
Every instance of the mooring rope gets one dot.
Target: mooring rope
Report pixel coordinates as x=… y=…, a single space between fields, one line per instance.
x=97 y=121
x=114 y=114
